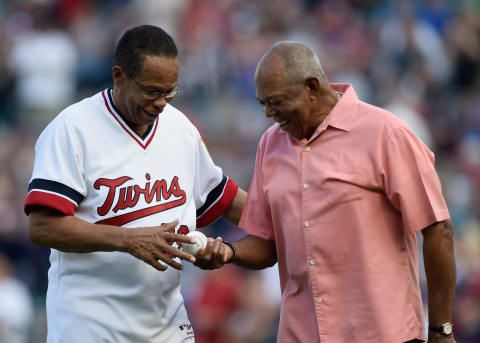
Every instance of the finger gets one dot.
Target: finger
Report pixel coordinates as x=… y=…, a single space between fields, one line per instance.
x=179 y=253
x=155 y=264
x=172 y=225
x=216 y=250
x=201 y=252
x=220 y=260
x=172 y=263
x=226 y=249
x=174 y=237
x=225 y=254
x=209 y=248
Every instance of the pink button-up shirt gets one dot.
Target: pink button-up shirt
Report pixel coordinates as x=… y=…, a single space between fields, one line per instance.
x=343 y=208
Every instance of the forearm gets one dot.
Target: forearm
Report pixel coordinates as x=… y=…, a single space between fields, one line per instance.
x=255 y=253
x=68 y=233
x=439 y=260
x=234 y=212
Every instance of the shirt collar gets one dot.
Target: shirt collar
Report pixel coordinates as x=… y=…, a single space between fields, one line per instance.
x=341 y=115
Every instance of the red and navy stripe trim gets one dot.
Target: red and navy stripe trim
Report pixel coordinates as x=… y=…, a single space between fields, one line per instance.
x=218 y=201
x=143 y=142
x=42 y=192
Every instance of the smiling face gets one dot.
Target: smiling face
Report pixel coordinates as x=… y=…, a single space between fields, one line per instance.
x=286 y=103
x=141 y=98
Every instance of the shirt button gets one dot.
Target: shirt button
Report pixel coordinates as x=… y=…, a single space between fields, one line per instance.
x=306 y=185
x=319 y=300
x=307 y=148
x=312 y=262
x=307 y=223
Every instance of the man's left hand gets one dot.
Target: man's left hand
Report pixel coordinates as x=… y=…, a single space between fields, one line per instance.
x=213 y=256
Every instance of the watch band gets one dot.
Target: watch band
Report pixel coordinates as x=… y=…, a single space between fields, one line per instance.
x=230 y=244
x=437 y=328
x=445 y=329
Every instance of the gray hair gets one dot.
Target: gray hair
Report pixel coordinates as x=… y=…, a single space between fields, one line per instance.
x=298 y=60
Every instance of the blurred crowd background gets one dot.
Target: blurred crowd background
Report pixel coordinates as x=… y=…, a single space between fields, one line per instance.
x=419 y=59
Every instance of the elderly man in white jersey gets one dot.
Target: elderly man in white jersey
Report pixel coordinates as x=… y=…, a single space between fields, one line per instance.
x=119 y=179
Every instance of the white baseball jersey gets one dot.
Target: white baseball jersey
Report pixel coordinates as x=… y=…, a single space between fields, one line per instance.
x=90 y=164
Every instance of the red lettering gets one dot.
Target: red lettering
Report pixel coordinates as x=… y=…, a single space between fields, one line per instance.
x=127 y=200
x=112 y=187
x=128 y=196
x=159 y=190
x=175 y=188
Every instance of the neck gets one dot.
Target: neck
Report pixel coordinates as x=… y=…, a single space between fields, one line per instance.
x=138 y=129
x=328 y=103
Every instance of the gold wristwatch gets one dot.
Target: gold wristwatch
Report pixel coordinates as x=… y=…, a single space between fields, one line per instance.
x=445 y=329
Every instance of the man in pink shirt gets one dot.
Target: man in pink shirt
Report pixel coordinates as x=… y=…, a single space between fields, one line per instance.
x=339 y=191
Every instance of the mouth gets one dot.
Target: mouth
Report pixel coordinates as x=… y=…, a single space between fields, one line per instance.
x=152 y=115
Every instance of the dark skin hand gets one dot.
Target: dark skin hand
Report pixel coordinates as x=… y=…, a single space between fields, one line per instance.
x=216 y=254
x=439 y=260
x=50 y=228
x=252 y=252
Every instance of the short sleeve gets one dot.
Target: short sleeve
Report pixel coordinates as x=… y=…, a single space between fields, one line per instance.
x=57 y=180
x=213 y=191
x=256 y=216
x=411 y=182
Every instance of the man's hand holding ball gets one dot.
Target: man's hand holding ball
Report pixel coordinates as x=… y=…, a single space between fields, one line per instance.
x=209 y=253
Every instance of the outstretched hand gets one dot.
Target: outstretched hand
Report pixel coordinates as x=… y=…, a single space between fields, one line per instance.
x=214 y=255
x=151 y=244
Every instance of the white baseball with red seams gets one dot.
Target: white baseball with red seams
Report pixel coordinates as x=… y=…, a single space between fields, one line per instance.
x=200 y=243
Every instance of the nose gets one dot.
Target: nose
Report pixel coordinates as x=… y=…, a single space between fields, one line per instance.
x=269 y=111
x=159 y=103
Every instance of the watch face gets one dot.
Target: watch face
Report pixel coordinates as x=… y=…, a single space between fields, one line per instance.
x=447 y=329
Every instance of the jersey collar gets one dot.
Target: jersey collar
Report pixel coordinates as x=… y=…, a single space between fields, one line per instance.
x=112 y=109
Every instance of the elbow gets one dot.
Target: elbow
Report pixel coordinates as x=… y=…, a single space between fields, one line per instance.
x=37 y=229
x=34 y=232
x=269 y=261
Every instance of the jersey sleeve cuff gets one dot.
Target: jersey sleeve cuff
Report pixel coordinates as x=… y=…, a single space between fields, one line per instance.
x=215 y=206
x=57 y=202
x=53 y=194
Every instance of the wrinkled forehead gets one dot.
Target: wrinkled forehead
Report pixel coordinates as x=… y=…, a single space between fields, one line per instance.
x=159 y=69
x=270 y=80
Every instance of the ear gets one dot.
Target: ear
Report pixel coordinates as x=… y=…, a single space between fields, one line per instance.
x=313 y=87
x=117 y=74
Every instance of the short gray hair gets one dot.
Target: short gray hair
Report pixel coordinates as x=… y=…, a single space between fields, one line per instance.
x=299 y=61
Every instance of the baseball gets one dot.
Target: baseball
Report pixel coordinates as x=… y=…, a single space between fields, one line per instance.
x=200 y=242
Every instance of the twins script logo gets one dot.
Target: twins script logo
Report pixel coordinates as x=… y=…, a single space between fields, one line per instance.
x=128 y=196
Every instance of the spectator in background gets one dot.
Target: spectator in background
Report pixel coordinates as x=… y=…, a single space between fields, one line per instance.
x=16 y=307
x=45 y=60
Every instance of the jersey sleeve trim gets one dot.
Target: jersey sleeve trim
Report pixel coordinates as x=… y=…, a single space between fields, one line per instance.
x=52 y=194
x=218 y=201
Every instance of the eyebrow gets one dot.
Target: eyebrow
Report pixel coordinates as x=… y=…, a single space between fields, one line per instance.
x=158 y=89
x=268 y=98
